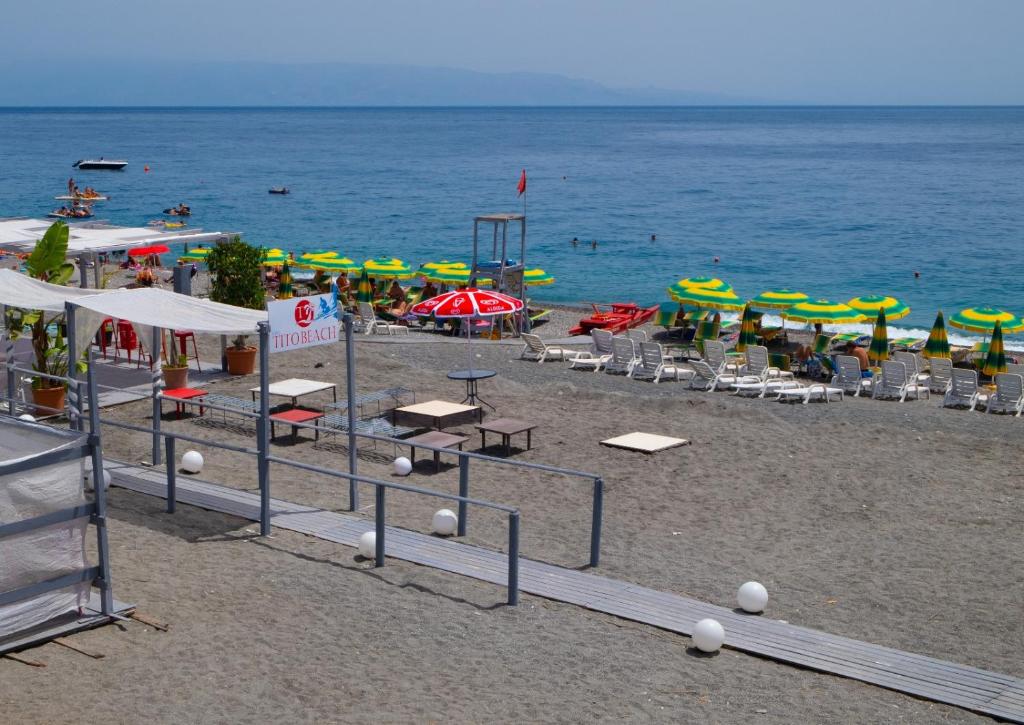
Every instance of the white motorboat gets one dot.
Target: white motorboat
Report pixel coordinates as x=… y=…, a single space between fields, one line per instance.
x=100 y=164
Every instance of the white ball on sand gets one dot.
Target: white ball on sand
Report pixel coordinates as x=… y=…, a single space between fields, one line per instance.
x=752 y=597
x=708 y=635
x=88 y=480
x=27 y=417
x=445 y=522
x=368 y=545
x=192 y=462
x=403 y=466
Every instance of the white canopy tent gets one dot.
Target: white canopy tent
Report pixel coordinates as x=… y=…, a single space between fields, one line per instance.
x=19 y=290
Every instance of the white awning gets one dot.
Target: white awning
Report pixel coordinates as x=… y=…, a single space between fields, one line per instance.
x=172 y=311
x=22 y=234
x=20 y=290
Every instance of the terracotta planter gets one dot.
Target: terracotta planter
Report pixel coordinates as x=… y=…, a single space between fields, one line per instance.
x=175 y=377
x=241 y=361
x=49 y=401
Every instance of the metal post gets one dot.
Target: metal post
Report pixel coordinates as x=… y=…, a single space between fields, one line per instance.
x=83 y=277
x=595 y=522
x=223 y=353
x=380 y=520
x=350 y=392
x=100 y=517
x=12 y=407
x=74 y=399
x=463 y=492
x=513 y=558
x=96 y=276
x=172 y=474
x=263 y=430
x=157 y=383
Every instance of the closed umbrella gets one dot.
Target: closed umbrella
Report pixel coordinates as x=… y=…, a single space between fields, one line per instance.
x=938 y=343
x=879 y=349
x=995 y=361
x=984 y=319
x=284 y=287
x=706 y=298
x=364 y=290
x=748 y=336
x=824 y=312
x=871 y=304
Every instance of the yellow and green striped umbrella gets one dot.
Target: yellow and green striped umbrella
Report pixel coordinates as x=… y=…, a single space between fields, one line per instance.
x=319 y=254
x=338 y=265
x=534 y=277
x=364 y=290
x=284 y=287
x=871 y=304
x=995 y=361
x=388 y=268
x=879 y=348
x=748 y=335
x=429 y=266
x=778 y=299
x=938 y=343
x=824 y=312
x=706 y=298
x=273 y=258
x=199 y=254
x=705 y=282
x=452 y=275
x=984 y=319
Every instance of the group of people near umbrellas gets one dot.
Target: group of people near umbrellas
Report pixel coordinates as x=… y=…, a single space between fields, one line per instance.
x=708 y=293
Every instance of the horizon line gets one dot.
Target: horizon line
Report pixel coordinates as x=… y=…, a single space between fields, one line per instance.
x=470 y=106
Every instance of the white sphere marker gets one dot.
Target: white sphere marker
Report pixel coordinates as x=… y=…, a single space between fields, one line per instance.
x=192 y=462
x=27 y=417
x=708 y=635
x=403 y=466
x=368 y=545
x=445 y=522
x=752 y=597
x=89 y=483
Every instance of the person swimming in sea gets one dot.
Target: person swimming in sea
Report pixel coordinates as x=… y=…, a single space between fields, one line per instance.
x=593 y=244
x=575 y=242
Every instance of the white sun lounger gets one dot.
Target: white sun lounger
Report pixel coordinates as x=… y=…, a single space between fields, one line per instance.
x=963 y=389
x=757 y=364
x=707 y=379
x=940 y=374
x=654 y=364
x=849 y=377
x=1009 y=394
x=624 y=356
x=814 y=391
x=598 y=355
x=714 y=355
x=372 y=326
x=764 y=388
x=895 y=383
x=913 y=363
x=535 y=349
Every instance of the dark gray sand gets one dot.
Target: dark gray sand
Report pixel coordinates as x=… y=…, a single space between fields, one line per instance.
x=894 y=523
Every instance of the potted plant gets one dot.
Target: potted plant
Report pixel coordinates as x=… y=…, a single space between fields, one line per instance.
x=49 y=347
x=175 y=372
x=235 y=271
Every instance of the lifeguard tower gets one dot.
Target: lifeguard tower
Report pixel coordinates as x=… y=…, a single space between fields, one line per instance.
x=506 y=272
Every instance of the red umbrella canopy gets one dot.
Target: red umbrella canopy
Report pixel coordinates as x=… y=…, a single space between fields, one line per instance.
x=469 y=302
x=146 y=251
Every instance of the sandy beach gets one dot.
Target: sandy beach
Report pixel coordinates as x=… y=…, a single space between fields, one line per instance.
x=887 y=522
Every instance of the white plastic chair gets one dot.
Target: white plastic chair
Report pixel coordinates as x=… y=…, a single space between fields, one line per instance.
x=940 y=374
x=848 y=376
x=894 y=382
x=654 y=364
x=705 y=378
x=1009 y=394
x=372 y=326
x=913 y=363
x=963 y=389
x=599 y=354
x=714 y=355
x=624 y=356
x=535 y=349
x=757 y=364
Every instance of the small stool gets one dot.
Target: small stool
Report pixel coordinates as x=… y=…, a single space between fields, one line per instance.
x=182 y=336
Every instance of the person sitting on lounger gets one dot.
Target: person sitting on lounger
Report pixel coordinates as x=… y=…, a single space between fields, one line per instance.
x=861 y=354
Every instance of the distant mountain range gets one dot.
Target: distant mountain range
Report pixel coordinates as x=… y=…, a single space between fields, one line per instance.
x=191 y=83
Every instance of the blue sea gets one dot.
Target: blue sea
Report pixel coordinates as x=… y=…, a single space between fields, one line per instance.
x=834 y=202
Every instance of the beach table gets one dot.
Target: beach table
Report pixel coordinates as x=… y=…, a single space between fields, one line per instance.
x=295 y=388
x=471 y=377
x=296 y=415
x=181 y=398
x=436 y=414
x=437 y=439
x=506 y=428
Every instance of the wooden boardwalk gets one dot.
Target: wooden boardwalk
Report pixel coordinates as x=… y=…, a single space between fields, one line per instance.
x=981 y=691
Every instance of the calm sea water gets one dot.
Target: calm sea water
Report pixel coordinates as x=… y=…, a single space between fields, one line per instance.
x=835 y=202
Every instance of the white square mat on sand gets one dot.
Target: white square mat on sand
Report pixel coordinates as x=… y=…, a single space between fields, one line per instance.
x=644 y=442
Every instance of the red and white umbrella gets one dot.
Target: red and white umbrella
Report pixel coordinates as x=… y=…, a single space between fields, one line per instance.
x=146 y=251
x=469 y=302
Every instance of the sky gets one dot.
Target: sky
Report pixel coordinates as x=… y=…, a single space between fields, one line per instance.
x=803 y=51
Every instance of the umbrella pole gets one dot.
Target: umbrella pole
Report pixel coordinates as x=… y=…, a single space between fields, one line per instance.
x=469 y=342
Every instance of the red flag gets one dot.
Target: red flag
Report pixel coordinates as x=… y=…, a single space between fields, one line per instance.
x=522 y=183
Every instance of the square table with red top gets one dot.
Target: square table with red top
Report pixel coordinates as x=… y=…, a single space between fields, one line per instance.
x=181 y=398
x=295 y=415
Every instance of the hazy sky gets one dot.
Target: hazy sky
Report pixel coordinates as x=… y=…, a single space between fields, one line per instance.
x=815 y=51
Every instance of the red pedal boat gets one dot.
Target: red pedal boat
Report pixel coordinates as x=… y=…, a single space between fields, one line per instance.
x=615 y=318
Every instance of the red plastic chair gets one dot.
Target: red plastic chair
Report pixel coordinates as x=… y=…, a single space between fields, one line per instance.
x=106 y=328
x=128 y=341
x=182 y=336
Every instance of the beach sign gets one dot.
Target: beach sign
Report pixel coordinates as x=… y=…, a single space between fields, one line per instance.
x=303 y=322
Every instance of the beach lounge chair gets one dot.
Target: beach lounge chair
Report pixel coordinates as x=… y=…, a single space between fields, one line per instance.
x=714 y=355
x=913 y=363
x=370 y=325
x=637 y=336
x=599 y=354
x=963 y=389
x=654 y=364
x=896 y=383
x=940 y=374
x=709 y=329
x=1009 y=394
x=814 y=391
x=1015 y=368
x=757 y=365
x=849 y=377
x=624 y=356
x=705 y=378
x=765 y=388
x=535 y=349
